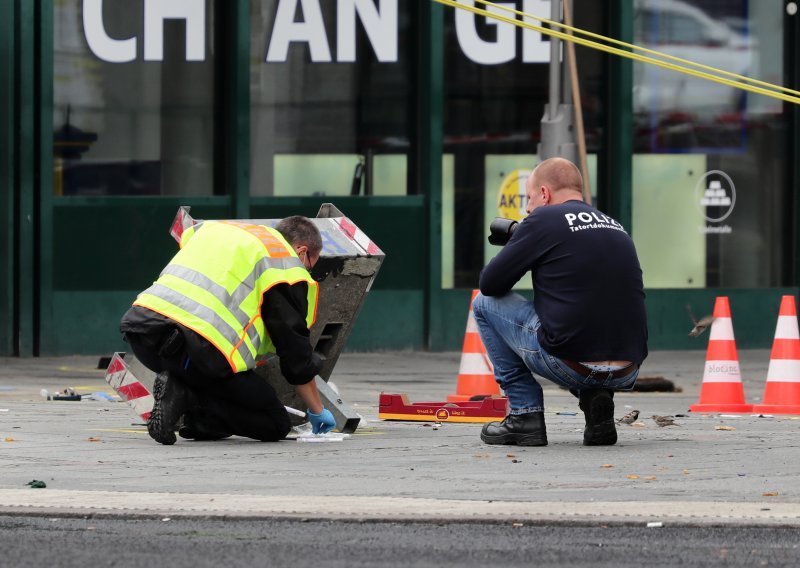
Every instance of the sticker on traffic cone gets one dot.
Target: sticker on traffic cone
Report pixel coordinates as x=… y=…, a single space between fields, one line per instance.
x=475 y=374
x=722 y=389
x=782 y=391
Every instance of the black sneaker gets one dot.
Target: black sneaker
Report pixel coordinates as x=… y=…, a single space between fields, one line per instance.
x=170 y=401
x=598 y=407
x=520 y=429
x=198 y=426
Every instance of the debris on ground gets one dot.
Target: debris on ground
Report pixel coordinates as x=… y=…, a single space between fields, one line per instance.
x=101 y=396
x=36 y=484
x=67 y=394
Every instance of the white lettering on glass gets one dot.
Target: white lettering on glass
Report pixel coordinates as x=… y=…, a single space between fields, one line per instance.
x=502 y=50
x=535 y=48
x=156 y=11
x=310 y=30
x=103 y=46
x=380 y=23
x=379 y=18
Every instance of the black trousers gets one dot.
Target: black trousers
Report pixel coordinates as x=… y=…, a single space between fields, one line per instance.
x=245 y=403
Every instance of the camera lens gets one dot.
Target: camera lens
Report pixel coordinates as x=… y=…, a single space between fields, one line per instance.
x=500 y=231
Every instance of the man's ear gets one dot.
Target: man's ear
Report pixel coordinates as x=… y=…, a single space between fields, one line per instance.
x=300 y=249
x=547 y=195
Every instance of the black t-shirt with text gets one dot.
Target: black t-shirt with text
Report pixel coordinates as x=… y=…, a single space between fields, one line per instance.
x=587 y=282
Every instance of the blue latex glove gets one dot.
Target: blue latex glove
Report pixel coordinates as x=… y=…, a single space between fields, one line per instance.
x=322 y=422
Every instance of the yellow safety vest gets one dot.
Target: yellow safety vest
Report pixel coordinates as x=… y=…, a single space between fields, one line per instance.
x=216 y=282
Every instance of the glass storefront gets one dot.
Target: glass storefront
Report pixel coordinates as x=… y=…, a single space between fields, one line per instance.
x=151 y=108
x=331 y=90
x=134 y=98
x=709 y=164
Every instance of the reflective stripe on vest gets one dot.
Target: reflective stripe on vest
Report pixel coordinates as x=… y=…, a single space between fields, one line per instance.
x=192 y=288
x=205 y=314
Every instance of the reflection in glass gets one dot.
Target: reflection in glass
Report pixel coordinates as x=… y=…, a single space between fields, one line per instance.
x=708 y=177
x=330 y=92
x=133 y=104
x=679 y=113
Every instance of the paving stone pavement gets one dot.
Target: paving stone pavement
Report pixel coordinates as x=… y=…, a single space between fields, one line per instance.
x=96 y=456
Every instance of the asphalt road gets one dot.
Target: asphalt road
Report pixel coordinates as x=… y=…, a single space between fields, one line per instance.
x=150 y=542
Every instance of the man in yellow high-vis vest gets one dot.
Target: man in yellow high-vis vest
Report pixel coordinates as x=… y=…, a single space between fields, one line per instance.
x=235 y=294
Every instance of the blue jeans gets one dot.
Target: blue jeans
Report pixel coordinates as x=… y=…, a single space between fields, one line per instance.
x=508 y=326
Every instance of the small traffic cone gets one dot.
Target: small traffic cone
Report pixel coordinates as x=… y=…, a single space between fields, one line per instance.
x=722 y=389
x=782 y=391
x=475 y=375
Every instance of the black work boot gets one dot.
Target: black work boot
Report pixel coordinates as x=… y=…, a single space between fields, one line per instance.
x=199 y=425
x=170 y=400
x=598 y=407
x=520 y=429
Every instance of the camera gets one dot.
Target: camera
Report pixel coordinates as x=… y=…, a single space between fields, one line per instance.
x=500 y=230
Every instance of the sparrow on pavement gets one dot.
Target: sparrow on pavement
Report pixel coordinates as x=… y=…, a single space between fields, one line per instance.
x=699 y=325
x=664 y=420
x=629 y=418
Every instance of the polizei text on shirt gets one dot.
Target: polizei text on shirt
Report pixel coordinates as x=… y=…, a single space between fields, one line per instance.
x=585 y=220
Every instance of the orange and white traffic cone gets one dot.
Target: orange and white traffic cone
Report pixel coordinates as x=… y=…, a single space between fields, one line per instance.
x=722 y=389
x=475 y=374
x=782 y=391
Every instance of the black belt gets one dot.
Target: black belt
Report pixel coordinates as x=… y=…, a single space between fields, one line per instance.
x=585 y=371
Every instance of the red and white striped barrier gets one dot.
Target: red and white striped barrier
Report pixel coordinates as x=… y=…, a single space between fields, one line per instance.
x=128 y=387
x=181 y=222
x=357 y=235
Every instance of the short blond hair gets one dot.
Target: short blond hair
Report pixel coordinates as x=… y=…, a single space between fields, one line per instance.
x=558 y=174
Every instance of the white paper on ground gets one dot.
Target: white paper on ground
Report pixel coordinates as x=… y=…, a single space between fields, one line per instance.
x=329 y=437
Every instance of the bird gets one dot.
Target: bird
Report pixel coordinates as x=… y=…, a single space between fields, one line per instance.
x=699 y=325
x=664 y=420
x=629 y=418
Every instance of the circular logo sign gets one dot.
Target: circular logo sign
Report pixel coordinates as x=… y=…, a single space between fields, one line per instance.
x=716 y=195
x=442 y=414
x=511 y=199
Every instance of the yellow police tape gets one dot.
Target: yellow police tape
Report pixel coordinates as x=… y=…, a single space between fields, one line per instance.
x=741 y=82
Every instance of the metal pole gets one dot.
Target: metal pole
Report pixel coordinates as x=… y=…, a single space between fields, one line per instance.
x=555 y=63
x=580 y=135
x=557 y=131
